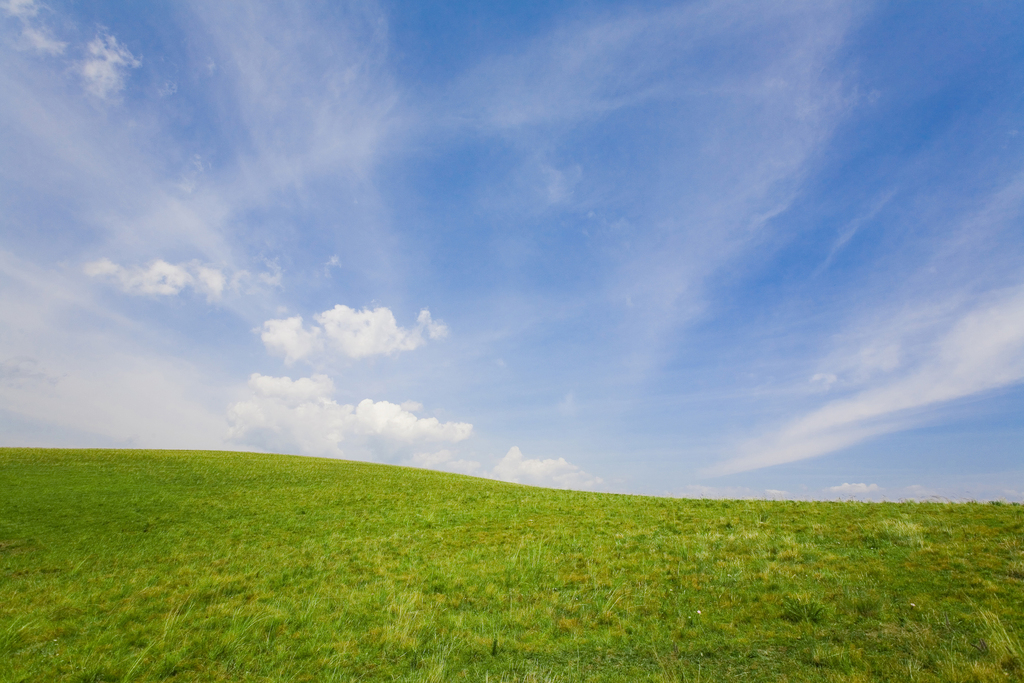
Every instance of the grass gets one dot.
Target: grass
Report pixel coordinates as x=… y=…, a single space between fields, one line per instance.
x=183 y=566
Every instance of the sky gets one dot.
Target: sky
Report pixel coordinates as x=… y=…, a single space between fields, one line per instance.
x=701 y=249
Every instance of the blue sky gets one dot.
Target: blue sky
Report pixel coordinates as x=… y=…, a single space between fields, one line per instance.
x=691 y=249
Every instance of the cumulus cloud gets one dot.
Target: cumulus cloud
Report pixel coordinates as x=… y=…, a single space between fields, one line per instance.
x=289 y=338
x=854 y=489
x=161 y=278
x=554 y=473
x=103 y=70
x=981 y=350
x=299 y=416
x=354 y=333
x=292 y=393
x=513 y=468
x=443 y=459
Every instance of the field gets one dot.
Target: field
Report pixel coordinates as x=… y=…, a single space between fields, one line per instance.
x=183 y=566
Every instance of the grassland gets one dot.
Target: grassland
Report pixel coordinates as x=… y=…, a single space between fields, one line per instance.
x=182 y=566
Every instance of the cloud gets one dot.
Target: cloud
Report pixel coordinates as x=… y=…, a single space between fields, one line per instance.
x=755 y=97
x=289 y=338
x=823 y=380
x=512 y=468
x=271 y=277
x=35 y=36
x=22 y=9
x=40 y=39
x=554 y=473
x=161 y=278
x=104 y=69
x=24 y=369
x=292 y=393
x=730 y=492
x=982 y=350
x=443 y=460
x=354 y=333
x=332 y=262
x=299 y=416
x=854 y=489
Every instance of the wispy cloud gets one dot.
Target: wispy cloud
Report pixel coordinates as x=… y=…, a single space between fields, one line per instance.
x=34 y=34
x=850 y=229
x=106 y=65
x=41 y=40
x=22 y=9
x=941 y=330
x=982 y=350
x=754 y=96
x=647 y=207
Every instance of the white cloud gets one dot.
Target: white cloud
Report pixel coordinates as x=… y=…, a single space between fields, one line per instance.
x=290 y=339
x=567 y=406
x=24 y=369
x=35 y=36
x=748 y=126
x=981 y=350
x=22 y=9
x=332 y=262
x=512 y=468
x=554 y=473
x=354 y=333
x=104 y=69
x=40 y=39
x=730 y=492
x=443 y=460
x=292 y=393
x=301 y=417
x=854 y=489
x=161 y=278
x=369 y=332
x=209 y=280
x=272 y=276
x=824 y=380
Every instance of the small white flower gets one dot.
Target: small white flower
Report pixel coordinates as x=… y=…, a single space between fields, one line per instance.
x=698 y=611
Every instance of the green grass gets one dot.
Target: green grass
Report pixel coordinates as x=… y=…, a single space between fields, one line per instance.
x=182 y=566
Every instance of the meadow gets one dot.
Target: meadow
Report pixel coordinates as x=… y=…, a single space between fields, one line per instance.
x=120 y=565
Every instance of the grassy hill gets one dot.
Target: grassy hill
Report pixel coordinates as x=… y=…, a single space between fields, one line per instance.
x=171 y=565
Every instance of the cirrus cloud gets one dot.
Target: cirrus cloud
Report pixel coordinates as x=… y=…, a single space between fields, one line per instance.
x=981 y=350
